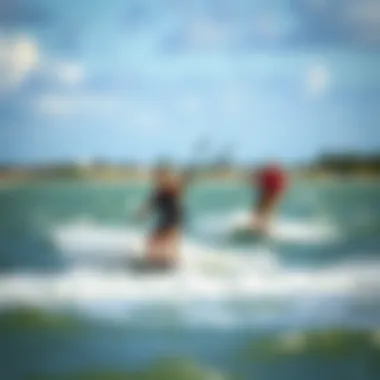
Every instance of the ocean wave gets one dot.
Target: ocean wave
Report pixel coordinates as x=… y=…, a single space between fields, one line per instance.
x=212 y=285
x=286 y=230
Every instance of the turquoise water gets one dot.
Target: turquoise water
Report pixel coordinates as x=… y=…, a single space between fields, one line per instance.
x=70 y=304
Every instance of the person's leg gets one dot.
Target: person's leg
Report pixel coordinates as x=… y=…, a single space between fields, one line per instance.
x=172 y=244
x=164 y=247
x=257 y=212
x=265 y=217
x=265 y=211
x=155 y=246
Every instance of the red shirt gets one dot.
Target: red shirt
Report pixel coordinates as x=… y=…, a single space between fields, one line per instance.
x=272 y=179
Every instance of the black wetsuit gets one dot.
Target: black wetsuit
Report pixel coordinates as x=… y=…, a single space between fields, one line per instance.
x=167 y=204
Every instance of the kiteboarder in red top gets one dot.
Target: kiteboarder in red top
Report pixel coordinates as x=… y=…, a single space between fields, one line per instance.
x=271 y=181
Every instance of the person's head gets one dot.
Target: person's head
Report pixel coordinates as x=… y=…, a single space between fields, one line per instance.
x=164 y=176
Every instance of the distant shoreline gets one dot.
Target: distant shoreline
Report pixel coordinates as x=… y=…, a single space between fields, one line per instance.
x=143 y=178
x=325 y=167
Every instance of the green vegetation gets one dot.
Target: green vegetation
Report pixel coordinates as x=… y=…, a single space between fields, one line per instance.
x=22 y=319
x=346 y=165
x=351 y=165
x=320 y=343
x=328 y=346
x=70 y=171
x=174 y=369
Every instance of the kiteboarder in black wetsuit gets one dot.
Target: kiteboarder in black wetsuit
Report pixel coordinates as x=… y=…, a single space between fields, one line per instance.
x=166 y=202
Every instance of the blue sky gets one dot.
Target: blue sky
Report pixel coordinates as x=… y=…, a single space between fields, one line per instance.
x=141 y=79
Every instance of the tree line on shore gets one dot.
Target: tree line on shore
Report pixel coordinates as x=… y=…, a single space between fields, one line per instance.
x=334 y=164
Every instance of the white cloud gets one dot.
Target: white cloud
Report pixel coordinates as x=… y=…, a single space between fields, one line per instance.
x=69 y=73
x=317 y=79
x=19 y=57
x=53 y=105
x=147 y=120
x=83 y=103
x=273 y=26
x=61 y=72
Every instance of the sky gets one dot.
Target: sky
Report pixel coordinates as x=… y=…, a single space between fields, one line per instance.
x=138 y=80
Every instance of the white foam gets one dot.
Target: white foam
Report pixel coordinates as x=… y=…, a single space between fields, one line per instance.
x=91 y=240
x=203 y=268
x=218 y=278
x=85 y=237
x=283 y=229
x=82 y=284
x=227 y=299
